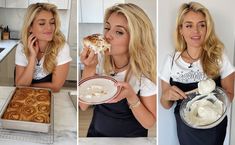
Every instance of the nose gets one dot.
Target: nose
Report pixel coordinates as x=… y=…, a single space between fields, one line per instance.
x=108 y=36
x=196 y=29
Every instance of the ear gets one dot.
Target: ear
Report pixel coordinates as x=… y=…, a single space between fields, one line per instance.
x=30 y=29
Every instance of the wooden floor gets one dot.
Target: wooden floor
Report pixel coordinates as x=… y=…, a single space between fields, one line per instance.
x=85 y=119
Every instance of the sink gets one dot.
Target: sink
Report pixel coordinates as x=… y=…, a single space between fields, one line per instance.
x=1 y=49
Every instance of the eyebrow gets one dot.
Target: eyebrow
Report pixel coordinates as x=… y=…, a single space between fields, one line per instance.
x=52 y=19
x=198 y=22
x=120 y=26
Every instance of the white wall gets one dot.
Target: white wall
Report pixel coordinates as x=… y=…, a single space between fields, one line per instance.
x=223 y=15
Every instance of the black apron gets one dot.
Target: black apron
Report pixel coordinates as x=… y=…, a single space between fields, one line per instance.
x=115 y=120
x=191 y=136
x=47 y=78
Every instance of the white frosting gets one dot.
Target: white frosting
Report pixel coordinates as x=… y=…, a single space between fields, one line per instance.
x=206 y=86
x=203 y=111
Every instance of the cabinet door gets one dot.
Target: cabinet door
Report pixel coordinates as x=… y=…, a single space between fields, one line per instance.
x=92 y=11
x=2 y=3
x=37 y=1
x=61 y=4
x=109 y=3
x=16 y=3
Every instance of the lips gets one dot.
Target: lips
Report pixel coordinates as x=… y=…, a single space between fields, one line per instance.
x=196 y=37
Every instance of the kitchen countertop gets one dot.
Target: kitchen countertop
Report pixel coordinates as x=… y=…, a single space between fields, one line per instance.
x=65 y=119
x=117 y=141
x=8 y=45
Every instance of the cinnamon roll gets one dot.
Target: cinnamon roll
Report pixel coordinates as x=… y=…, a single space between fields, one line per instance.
x=30 y=101
x=14 y=105
x=43 y=98
x=44 y=108
x=41 y=118
x=12 y=115
x=27 y=110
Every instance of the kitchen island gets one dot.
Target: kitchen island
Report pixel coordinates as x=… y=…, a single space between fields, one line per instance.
x=117 y=141
x=65 y=120
x=6 y=46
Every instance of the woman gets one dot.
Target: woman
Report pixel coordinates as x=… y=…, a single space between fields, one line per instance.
x=132 y=62
x=42 y=58
x=199 y=55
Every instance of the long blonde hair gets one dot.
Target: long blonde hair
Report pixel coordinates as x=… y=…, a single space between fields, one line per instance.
x=57 y=41
x=142 y=48
x=212 y=46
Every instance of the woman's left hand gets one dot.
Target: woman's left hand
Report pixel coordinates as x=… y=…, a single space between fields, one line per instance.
x=126 y=92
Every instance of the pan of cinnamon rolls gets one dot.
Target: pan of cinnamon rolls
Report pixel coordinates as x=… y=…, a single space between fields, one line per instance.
x=29 y=109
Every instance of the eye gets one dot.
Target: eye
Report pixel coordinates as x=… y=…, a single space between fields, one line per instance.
x=41 y=24
x=203 y=25
x=119 y=33
x=188 y=26
x=106 y=28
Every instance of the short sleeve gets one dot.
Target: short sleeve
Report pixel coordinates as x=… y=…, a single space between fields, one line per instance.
x=20 y=58
x=64 y=55
x=226 y=67
x=147 y=87
x=165 y=69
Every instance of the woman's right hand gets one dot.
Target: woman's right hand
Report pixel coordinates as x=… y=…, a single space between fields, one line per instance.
x=89 y=58
x=170 y=94
x=173 y=93
x=33 y=45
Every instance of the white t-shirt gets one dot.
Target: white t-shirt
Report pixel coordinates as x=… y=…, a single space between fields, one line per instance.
x=179 y=71
x=147 y=87
x=39 y=73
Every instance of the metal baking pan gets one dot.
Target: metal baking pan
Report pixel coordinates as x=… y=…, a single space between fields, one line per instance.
x=26 y=125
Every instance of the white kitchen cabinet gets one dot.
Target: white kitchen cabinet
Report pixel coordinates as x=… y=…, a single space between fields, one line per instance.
x=2 y=3
x=61 y=4
x=92 y=11
x=109 y=3
x=17 y=3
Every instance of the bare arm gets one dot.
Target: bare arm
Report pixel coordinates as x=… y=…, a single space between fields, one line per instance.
x=24 y=75
x=170 y=94
x=228 y=85
x=58 y=78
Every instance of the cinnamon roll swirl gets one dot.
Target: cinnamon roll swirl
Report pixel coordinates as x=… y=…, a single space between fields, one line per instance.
x=27 y=110
x=41 y=118
x=43 y=97
x=30 y=101
x=12 y=115
x=44 y=108
x=14 y=105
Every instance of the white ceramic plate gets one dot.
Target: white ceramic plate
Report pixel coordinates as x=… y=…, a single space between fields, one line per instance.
x=97 y=89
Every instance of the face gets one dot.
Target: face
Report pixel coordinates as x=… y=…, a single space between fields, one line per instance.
x=194 y=29
x=116 y=33
x=43 y=26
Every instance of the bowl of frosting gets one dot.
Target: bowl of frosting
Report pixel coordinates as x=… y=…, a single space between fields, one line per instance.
x=204 y=107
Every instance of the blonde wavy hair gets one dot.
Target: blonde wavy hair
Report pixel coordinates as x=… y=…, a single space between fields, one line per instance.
x=212 y=47
x=57 y=41
x=142 y=48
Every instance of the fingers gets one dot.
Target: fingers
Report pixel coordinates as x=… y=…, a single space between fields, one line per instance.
x=174 y=93
x=88 y=57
